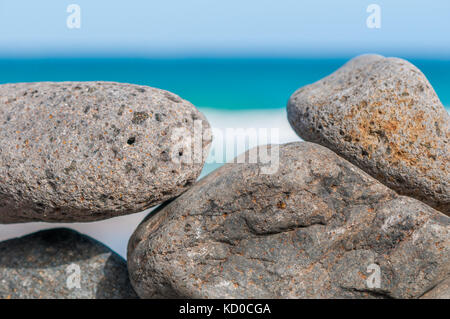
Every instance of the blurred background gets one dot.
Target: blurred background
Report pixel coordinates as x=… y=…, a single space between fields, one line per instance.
x=237 y=61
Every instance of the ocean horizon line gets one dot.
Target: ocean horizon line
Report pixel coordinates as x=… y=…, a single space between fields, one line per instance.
x=247 y=58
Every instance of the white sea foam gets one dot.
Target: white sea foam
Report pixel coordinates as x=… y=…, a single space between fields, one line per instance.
x=268 y=118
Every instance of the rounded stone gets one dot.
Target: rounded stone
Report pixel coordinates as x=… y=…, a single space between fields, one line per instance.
x=318 y=227
x=63 y=264
x=85 y=151
x=382 y=115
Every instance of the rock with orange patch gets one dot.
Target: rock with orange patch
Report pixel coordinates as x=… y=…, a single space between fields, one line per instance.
x=382 y=115
x=318 y=227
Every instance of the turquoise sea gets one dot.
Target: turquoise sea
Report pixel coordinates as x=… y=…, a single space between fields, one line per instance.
x=232 y=83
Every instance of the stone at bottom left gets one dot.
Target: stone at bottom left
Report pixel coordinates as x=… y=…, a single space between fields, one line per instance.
x=61 y=263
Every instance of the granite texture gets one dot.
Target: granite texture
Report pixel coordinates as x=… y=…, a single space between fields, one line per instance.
x=441 y=291
x=49 y=264
x=382 y=115
x=314 y=229
x=85 y=151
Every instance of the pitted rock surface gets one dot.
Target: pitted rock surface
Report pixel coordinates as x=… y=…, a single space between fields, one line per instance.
x=382 y=115
x=61 y=264
x=85 y=151
x=317 y=228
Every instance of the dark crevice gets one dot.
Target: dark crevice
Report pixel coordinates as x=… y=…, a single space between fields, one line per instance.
x=131 y=140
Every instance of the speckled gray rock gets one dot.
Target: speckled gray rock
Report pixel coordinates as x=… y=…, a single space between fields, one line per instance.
x=382 y=115
x=85 y=151
x=61 y=263
x=316 y=228
x=441 y=291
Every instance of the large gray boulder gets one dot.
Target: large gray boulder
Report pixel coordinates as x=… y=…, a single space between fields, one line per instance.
x=382 y=115
x=62 y=264
x=85 y=151
x=318 y=227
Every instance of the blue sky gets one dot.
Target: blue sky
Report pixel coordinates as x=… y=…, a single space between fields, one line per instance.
x=167 y=28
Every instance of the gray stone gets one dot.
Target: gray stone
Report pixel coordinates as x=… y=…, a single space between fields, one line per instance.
x=441 y=291
x=317 y=228
x=63 y=264
x=382 y=115
x=85 y=151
